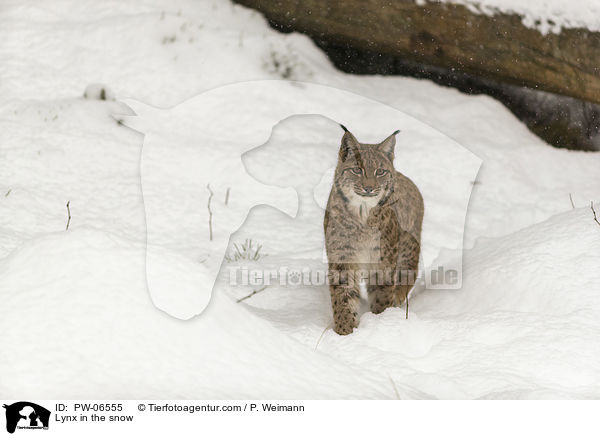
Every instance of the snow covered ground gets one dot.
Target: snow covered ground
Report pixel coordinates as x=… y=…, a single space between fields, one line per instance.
x=78 y=320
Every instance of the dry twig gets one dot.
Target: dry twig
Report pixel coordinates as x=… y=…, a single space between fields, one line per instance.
x=571 y=198
x=69 y=214
x=210 y=196
x=256 y=291
x=322 y=334
x=394 y=386
x=227 y=196
x=594 y=212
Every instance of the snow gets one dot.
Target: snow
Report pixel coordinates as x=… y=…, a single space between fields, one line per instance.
x=87 y=319
x=545 y=15
x=80 y=307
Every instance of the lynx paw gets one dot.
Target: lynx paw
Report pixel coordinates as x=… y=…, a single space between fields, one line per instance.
x=343 y=329
x=344 y=321
x=381 y=298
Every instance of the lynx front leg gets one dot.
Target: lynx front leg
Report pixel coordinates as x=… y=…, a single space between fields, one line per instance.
x=391 y=295
x=345 y=301
x=399 y=262
x=389 y=291
x=381 y=297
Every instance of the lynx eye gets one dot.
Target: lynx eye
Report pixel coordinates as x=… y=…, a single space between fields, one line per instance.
x=381 y=172
x=356 y=170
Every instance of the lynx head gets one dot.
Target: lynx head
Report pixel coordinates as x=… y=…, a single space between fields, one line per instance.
x=365 y=171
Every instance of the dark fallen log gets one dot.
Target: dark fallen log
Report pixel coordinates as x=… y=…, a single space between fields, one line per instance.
x=495 y=47
x=454 y=46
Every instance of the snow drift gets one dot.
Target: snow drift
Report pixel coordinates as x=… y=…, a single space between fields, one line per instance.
x=76 y=316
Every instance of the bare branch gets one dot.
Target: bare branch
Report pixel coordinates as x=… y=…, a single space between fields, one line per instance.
x=8 y=192
x=227 y=196
x=594 y=212
x=394 y=386
x=252 y=294
x=69 y=214
x=210 y=196
x=571 y=198
x=322 y=334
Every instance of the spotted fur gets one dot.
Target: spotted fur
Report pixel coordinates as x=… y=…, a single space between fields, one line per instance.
x=372 y=230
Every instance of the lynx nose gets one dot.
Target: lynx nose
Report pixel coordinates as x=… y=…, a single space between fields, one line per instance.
x=368 y=189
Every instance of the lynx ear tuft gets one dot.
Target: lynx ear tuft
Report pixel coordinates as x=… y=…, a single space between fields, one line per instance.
x=388 y=144
x=349 y=144
x=343 y=127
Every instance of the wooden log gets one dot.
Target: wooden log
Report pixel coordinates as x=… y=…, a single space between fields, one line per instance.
x=498 y=47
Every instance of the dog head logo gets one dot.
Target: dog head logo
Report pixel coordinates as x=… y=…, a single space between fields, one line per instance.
x=26 y=415
x=206 y=162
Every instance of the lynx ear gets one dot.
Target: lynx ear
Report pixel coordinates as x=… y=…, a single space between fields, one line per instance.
x=349 y=144
x=388 y=144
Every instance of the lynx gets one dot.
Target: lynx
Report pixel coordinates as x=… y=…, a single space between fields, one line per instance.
x=372 y=231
